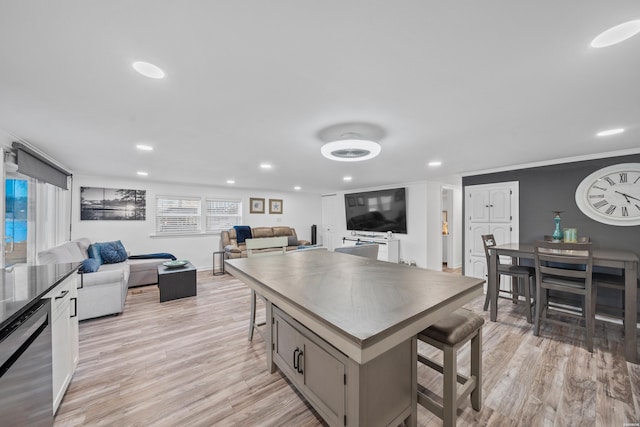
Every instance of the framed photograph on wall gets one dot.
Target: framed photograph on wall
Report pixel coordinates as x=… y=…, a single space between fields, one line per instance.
x=112 y=204
x=256 y=205
x=275 y=206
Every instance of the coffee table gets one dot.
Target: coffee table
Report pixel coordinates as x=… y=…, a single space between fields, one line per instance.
x=176 y=283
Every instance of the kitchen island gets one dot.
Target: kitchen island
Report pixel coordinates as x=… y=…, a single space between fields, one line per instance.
x=343 y=328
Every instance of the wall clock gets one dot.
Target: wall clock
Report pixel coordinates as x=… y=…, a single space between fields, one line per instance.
x=611 y=195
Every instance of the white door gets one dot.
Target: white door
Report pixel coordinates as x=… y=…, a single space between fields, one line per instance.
x=489 y=209
x=500 y=205
x=330 y=218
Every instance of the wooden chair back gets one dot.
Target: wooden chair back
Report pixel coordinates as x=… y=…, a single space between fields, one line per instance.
x=569 y=260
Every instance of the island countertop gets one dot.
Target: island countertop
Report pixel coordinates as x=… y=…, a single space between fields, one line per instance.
x=364 y=301
x=22 y=286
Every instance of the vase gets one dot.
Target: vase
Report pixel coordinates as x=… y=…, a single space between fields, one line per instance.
x=557 y=233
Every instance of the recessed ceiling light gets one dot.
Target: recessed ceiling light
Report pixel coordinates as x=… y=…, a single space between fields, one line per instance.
x=347 y=178
x=297 y=187
x=610 y=132
x=617 y=34
x=435 y=163
x=230 y=181
x=143 y=147
x=148 y=70
x=350 y=150
x=265 y=166
x=143 y=173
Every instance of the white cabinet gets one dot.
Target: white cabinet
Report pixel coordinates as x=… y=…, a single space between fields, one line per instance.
x=315 y=368
x=64 y=335
x=388 y=249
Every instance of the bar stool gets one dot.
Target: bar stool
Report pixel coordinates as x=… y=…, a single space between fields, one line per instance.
x=449 y=335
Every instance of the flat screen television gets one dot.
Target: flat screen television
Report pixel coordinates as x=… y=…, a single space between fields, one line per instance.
x=381 y=211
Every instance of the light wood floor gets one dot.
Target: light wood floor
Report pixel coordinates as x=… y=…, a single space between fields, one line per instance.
x=188 y=363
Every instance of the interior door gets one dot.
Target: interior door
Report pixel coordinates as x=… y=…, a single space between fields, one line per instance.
x=330 y=219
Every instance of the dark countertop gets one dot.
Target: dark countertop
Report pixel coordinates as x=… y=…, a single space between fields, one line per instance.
x=20 y=287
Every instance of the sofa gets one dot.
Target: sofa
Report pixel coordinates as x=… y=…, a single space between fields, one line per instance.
x=102 y=292
x=232 y=249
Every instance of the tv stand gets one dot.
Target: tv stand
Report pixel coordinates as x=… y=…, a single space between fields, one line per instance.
x=389 y=249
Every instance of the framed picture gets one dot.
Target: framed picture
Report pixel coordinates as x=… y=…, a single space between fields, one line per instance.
x=112 y=204
x=256 y=205
x=360 y=201
x=351 y=201
x=275 y=206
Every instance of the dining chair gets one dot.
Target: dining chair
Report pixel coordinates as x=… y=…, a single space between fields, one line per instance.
x=367 y=250
x=565 y=268
x=265 y=246
x=516 y=271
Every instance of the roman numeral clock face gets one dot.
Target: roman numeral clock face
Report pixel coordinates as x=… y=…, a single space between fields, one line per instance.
x=612 y=195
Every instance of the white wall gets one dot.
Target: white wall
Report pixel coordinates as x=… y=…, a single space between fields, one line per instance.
x=300 y=211
x=423 y=242
x=455 y=227
x=433 y=215
x=412 y=244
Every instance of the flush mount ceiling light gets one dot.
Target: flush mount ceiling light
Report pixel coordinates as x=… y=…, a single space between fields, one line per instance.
x=350 y=148
x=617 y=34
x=143 y=147
x=435 y=163
x=610 y=132
x=143 y=173
x=148 y=70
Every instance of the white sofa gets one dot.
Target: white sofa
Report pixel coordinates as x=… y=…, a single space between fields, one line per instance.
x=105 y=291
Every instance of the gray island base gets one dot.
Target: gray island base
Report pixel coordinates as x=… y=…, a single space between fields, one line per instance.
x=343 y=329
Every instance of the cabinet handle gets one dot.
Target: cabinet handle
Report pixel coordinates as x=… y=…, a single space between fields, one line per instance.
x=63 y=294
x=300 y=371
x=295 y=359
x=75 y=307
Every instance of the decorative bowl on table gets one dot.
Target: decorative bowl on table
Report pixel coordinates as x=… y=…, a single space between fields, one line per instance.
x=175 y=264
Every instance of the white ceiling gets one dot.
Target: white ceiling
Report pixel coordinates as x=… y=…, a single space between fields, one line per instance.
x=475 y=84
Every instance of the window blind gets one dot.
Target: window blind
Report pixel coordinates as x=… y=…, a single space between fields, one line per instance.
x=176 y=215
x=35 y=165
x=222 y=214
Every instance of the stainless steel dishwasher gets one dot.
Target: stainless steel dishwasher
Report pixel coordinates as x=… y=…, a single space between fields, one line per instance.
x=26 y=395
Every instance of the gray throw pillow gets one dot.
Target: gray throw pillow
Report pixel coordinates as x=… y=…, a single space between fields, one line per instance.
x=292 y=241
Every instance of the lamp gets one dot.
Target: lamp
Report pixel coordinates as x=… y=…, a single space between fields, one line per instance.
x=350 y=148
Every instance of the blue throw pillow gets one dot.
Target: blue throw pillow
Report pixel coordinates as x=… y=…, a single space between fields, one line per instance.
x=94 y=252
x=113 y=252
x=242 y=232
x=89 y=265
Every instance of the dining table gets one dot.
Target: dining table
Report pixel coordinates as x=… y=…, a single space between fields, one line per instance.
x=602 y=257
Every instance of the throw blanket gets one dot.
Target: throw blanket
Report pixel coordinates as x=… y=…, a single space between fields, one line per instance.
x=158 y=255
x=242 y=232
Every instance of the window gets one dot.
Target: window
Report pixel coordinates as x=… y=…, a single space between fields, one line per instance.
x=195 y=215
x=178 y=215
x=223 y=214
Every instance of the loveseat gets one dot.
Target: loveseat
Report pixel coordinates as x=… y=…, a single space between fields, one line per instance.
x=104 y=291
x=233 y=249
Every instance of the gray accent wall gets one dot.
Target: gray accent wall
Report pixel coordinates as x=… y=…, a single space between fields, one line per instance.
x=552 y=188
x=546 y=189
